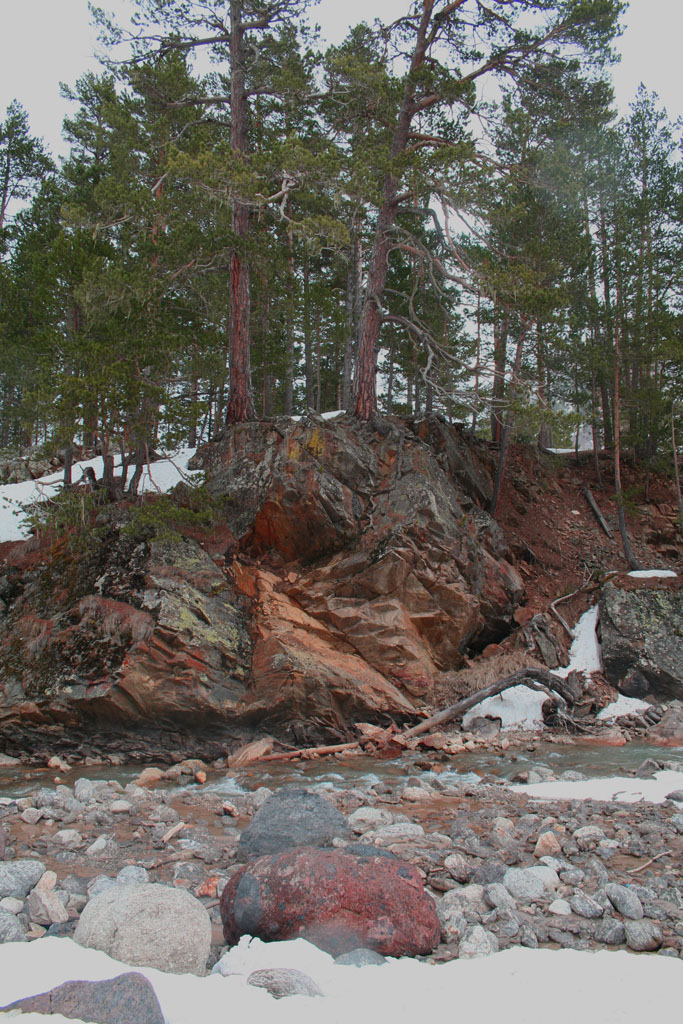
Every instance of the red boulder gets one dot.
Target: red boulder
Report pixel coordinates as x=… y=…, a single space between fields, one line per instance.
x=337 y=900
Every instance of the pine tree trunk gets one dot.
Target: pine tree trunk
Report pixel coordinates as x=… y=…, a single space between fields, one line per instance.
x=240 y=401
x=308 y=343
x=619 y=494
x=365 y=403
x=677 y=476
x=509 y=419
x=500 y=339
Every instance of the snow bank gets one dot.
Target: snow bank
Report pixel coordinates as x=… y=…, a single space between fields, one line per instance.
x=621 y=790
x=584 y=653
x=519 y=986
x=622 y=706
x=518 y=708
x=158 y=476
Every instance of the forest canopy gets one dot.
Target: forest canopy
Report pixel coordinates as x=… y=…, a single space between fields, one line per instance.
x=250 y=224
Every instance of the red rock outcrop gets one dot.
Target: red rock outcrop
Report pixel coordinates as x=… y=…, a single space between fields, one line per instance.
x=352 y=565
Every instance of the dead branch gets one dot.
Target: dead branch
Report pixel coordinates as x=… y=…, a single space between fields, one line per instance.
x=597 y=513
x=566 y=597
x=634 y=871
x=528 y=676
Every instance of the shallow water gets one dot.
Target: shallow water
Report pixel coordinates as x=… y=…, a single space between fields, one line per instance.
x=593 y=759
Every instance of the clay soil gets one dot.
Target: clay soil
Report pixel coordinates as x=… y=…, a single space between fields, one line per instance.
x=557 y=540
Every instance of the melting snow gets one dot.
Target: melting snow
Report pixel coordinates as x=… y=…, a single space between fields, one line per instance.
x=622 y=706
x=518 y=708
x=623 y=791
x=653 y=574
x=158 y=476
x=584 y=653
x=519 y=985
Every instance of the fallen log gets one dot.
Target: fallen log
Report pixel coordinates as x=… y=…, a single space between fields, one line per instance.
x=308 y=752
x=527 y=676
x=597 y=513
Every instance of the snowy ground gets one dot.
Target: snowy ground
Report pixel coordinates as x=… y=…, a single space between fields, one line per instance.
x=158 y=476
x=518 y=986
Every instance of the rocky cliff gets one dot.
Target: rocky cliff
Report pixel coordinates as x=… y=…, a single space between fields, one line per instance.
x=352 y=566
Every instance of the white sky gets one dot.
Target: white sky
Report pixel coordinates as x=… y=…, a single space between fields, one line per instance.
x=48 y=41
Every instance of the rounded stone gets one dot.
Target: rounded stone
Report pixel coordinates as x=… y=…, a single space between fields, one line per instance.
x=477 y=942
x=284 y=981
x=625 y=901
x=148 y=926
x=642 y=936
x=585 y=906
x=10 y=928
x=289 y=818
x=361 y=957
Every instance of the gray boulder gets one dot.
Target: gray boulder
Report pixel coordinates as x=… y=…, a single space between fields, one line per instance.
x=625 y=901
x=17 y=877
x=284 y=981
x=10 y=928
x=148 y=926
x=642 y=645
x=292 y=817
x=643 y=936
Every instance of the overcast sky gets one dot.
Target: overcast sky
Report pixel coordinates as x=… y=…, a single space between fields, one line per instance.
x=48 y=41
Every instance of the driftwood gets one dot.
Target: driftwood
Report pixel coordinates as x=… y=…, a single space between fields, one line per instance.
x=292 y=755
x=536 y=678
x=597 y=513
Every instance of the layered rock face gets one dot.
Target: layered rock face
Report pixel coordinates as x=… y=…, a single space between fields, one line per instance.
x=641 y=626
x=354 y=565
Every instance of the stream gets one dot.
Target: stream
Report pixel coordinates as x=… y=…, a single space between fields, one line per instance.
x=592 y=759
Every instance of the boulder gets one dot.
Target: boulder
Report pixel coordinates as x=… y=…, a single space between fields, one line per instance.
x=10 y=928
x=148 y=926
x=669 y=729
x=337 y=900
x=127 y=999
x=642 y=644
x=18 y=877
x=292 y=817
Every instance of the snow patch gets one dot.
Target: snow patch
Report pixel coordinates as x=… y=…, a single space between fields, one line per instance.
x=518 y=708
x=653 y=574
x=584 y=653
x=622 y=706
x=159 y=476
x=619 y=790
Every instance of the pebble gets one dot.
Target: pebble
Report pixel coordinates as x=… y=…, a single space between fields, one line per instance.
x=560 y=907
x=476 y=942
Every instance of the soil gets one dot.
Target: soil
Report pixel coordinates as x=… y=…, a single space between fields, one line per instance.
x=556 y=538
